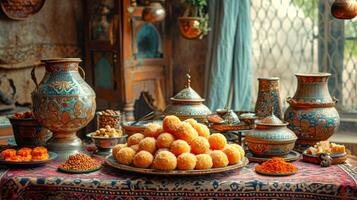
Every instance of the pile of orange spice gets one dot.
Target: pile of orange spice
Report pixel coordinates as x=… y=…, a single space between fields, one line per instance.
x=276 y=165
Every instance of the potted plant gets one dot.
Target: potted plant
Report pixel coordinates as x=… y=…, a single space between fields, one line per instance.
x=194 y=22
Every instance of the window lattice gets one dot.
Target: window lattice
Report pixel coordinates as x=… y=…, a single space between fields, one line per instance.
x=287 y=38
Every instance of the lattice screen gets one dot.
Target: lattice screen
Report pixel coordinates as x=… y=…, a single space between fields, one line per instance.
x=286 y=35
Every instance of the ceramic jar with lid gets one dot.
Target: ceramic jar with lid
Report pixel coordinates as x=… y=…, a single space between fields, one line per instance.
x=270 y=138
x=188 y=104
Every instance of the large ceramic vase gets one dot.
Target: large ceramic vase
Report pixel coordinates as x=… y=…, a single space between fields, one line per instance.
x=268 y=101
x=64 y=103
x=312 y=114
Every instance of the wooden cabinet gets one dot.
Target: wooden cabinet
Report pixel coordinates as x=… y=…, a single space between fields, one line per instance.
x=125 y=55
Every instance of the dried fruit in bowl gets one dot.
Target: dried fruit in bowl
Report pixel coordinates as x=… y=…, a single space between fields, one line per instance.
x=108 y=132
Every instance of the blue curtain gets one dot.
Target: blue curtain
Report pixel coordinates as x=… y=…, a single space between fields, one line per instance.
x=228 y=78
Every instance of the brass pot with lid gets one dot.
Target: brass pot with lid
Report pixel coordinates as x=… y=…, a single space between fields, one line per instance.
x=270 y=138
x=188 y=104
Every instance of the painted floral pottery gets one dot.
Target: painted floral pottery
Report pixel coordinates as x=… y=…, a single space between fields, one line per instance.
x=270 y=138
x=312 y=114
x=64 y=103
x=190 y=27
x=268 y=98
x=29 y=133
x=188 y=104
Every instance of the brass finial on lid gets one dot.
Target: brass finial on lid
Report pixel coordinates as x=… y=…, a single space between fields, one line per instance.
x=188 y=80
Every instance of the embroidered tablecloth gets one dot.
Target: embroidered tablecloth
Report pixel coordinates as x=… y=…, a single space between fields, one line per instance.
x=311 y=182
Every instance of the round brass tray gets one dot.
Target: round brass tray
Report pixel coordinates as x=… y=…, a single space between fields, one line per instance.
x=113 y=163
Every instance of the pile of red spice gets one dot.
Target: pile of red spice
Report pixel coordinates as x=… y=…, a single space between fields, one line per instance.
x=276 y=165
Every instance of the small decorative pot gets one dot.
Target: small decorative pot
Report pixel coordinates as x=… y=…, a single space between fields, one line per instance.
x=64 y=103
x=312 y=114
x=29 y=133
x=270 y=138
x=190 y=27
x=268 y=98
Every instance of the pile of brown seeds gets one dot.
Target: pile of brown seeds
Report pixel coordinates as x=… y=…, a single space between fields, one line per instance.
x=80 y=162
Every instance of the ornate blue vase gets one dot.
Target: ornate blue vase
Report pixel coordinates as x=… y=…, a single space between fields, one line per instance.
x=64 y=103
x=312 y=114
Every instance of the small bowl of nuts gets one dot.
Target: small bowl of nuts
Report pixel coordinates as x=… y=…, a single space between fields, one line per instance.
x=106 y=138
x=108 y=117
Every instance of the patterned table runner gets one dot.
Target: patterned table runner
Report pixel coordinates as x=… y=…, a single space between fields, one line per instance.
x=311 y=182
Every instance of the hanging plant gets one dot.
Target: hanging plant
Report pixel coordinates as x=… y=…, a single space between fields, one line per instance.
x=194 y=24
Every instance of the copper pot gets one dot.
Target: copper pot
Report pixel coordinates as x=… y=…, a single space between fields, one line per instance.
x=190 y=27
x=344 y=9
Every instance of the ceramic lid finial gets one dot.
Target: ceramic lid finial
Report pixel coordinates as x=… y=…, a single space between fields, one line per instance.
x=188 y=80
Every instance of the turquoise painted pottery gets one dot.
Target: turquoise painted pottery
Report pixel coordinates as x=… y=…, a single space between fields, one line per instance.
x=312 y=114
x=268 y=99
x=188 y=104
x=64 y=103
x=270 y=138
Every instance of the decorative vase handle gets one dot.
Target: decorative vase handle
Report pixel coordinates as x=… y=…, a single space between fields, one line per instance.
x=33 y=76
x=334 y=99
x=83 y=74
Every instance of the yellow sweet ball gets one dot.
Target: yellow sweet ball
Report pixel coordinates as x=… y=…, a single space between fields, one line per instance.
x=135 y=139
x=164 y=140
x=217 y=141
x=200 y=145
x=233 y=154
x=161 y=149
x=186 y=161
x=116 y=148
x=148 y=144
x=204 y=161
x=164 y=160
x=125 y=155
x=191 y=121
x=180 y=146
x=135 y=147
x=170 y=124
x=219 y=158
x=143 y=159
x=201 y=129
x=153 y=130
x=186 y=132
x=240 y=149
